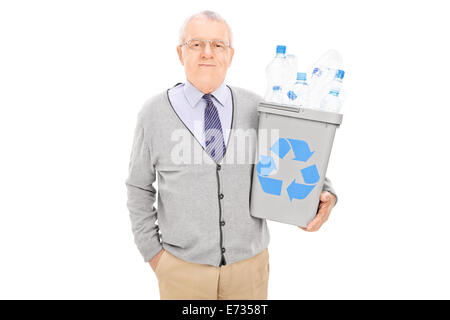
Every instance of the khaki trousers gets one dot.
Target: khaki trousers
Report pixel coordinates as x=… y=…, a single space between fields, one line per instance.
x=243 y=280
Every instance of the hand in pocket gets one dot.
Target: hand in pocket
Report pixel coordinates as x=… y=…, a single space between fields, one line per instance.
x=155 y=260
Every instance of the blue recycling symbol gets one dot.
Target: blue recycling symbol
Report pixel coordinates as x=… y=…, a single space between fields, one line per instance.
x=302 y=153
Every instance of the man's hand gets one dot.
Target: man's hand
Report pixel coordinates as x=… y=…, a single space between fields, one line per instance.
x=327 y=202
x=154 y=261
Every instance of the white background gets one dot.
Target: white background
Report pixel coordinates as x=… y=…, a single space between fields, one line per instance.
x=74 y=74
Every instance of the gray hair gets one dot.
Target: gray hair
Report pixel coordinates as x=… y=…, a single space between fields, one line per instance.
x=211 y=15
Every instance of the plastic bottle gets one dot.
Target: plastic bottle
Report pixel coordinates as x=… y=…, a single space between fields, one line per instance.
x=275 y=95
x=321 y=75
x=296 y=94
x=336 y=84
x=332 y=102
x=291 y=74
x=276 y=72
x=314 y=88
x=340 y=75
x=330 y=59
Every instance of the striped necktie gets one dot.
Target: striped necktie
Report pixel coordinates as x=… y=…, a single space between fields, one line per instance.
x=215 y=145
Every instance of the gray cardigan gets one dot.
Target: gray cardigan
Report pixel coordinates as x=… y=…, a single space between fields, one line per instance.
x=203 y=211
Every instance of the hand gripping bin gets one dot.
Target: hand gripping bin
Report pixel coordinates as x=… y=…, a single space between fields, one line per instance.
x=294 y=146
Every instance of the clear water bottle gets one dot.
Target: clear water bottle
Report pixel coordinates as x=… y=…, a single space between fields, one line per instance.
x=276 y=73
x=314 y=87
x=331 y=102
x=322 y=74
x=336 y=84
x=291 y=74
x=297 y=93
x=276 y=95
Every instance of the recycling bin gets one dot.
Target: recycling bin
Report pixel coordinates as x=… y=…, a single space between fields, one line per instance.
x=293 y=149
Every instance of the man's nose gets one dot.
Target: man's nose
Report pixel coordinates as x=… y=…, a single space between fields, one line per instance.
x=207 y=50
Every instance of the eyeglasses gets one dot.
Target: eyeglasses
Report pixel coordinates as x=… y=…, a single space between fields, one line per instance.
x=198 y=45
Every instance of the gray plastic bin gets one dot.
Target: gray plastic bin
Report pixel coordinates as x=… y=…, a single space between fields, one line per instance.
x=294 y=146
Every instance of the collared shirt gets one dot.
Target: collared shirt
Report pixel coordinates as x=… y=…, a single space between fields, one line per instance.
x=187 y=101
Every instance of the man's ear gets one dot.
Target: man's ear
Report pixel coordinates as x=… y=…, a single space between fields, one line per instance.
x=180 y=54
x=231 y=56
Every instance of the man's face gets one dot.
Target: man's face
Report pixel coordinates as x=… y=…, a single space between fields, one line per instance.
x=205 y=69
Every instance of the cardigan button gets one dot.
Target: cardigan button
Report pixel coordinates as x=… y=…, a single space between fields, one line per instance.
x=222 y=223
x=223 y=250
x=221 y=196
x=218 y=167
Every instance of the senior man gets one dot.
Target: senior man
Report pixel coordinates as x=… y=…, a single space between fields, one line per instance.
x=201 y=242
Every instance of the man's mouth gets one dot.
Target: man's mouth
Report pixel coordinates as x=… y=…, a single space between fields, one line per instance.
x=206 y=65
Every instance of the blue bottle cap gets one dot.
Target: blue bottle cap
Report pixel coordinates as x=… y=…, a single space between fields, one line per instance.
x=281 y=49
x=301 y=76
x=276 y=88
x=340 y=74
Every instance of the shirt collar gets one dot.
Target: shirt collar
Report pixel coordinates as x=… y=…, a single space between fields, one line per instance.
x=194 y=95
